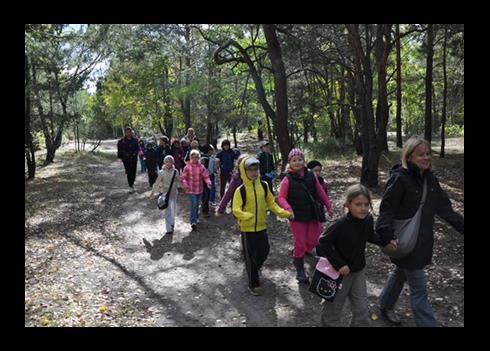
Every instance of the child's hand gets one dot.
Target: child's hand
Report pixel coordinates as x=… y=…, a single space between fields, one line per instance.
x=291 y=216
x=394 y=243
x=344 y=270
x=390 y=248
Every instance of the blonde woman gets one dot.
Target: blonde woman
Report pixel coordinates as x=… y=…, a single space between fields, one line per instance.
x=401 y=199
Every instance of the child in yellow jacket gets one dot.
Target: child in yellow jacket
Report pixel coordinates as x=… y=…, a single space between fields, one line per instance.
x=250 y=203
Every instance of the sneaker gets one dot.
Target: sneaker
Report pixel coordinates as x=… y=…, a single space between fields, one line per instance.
x=131 y=189
x=194 y=226
x=390 y=316
x=169 y=233
x=255 y=291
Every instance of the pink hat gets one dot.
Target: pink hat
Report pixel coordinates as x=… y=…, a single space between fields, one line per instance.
x=295 y=152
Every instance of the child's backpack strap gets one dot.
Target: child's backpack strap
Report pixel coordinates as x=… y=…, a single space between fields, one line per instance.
x=243 y=193
x=266 y=188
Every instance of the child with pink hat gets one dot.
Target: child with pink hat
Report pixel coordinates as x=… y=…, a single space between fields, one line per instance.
x=299 y=193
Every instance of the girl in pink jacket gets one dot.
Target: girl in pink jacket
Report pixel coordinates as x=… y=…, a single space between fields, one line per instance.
x=299 y=192
x=194 y=177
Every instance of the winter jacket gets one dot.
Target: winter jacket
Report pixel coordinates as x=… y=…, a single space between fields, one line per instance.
x=178 y=155
x=401 y=200
x=227 y=160
x=193 y=176
x=127 y=148
x=162 y=151
x=164 y=179
x=151 y=158
x=266 y=162
x=293 y=197
x=253 y=217
x=236 y=181
x=344 y=242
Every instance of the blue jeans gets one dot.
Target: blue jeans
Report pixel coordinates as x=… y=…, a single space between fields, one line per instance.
x=212 y=195
x=194 y=207
x=143 y=165
x=421 y=307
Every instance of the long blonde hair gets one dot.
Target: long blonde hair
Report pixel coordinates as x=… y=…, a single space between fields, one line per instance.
x=410 y=146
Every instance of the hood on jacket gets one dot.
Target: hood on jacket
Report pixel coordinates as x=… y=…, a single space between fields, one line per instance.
x=243 y=174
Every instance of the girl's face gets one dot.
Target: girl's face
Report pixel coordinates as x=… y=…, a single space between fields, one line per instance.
x=297 y=163
x=252 y=172
x=358 y=207
x=195 y=145
x=195 y=158
x=317 y=170
x=226 y=147
x=169 y=164
x=421 y=157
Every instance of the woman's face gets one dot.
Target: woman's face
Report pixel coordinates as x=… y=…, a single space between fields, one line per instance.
x=421 y=157
x=297 y=163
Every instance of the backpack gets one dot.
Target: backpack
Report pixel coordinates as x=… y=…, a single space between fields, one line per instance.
x=243 y=193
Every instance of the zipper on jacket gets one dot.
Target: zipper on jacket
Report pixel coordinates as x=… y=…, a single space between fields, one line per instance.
x=256 y=209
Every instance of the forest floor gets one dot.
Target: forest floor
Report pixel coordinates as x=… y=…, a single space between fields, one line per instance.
x=97 y=256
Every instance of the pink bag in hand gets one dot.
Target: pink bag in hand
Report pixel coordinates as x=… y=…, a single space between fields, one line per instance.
x=326 y=267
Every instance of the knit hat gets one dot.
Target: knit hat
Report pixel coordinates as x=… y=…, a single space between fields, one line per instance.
x=312 y=164
x=295 y=152
x=169 y=157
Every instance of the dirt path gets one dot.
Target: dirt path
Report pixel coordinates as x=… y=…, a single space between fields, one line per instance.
x=96 y=256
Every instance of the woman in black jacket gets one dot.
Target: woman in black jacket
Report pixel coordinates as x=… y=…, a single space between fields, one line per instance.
x=401 y=199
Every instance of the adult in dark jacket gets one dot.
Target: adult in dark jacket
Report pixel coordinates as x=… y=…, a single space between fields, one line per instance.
x=401 y=199
x=267 y=168
x=151 y=162
x=163 y=149
x=127 y=150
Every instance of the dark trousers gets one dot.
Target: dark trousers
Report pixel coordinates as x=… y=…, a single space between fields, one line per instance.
x=224 y=178
x=255 y=247
x=130 y=165
x=152 y=173
x=205 y=199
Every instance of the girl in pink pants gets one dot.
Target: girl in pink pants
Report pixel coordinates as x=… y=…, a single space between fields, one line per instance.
x=298 y=192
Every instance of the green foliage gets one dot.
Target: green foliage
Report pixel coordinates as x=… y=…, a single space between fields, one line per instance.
x=454 y=131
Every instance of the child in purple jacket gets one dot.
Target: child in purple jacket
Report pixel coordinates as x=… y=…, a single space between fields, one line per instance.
x=236 y=181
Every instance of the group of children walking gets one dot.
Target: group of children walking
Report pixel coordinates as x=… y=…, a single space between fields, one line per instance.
x=302 y=197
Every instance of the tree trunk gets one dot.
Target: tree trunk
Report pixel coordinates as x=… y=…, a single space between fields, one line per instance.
x=364 y=81
x=444 y=95
x=382 y=110
x=399 y=141
x=260 y=133
x=428 y=83
x=28 y=143
x=280 y=91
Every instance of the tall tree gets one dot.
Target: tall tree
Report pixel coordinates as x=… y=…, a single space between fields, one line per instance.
x=399 y=141
x=444 y=93
x=280 y=90
x=28 y=142
x=428 y=82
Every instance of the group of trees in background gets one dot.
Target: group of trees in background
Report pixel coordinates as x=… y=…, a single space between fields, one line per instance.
x=296 y=83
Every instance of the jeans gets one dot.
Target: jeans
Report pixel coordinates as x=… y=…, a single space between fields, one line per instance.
x=194 y=207
x=170 y=214
x=212 y=195
x=421 y=307
x=143 y=165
